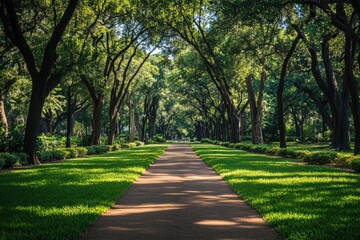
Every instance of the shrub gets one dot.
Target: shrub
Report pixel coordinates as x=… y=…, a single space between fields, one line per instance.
x=139 y=143
x=9 y=159
x=355 y=164
x=302 y=154
x=97 y=149
x=125 y=145
x=238 y=145
x=101 y=148
x=344 y=160
x=205 y=140
x=91 y=150
x=45 y=157
x=70 y=152
x=256 y=149
x=225 y=144
x=272 y=151
x=115 y=147
x=320 y=157
x=60 y=155
x=82 y=152
x=2 y=163
x=84 y=140
x=23 y=158
x=14 y=141
x=132 y=145
x=149 y=142
x=159 y=138
x=50 y=156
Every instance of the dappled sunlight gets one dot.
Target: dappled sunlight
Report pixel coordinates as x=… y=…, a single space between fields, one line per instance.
x=288 y=195
x=66 y=197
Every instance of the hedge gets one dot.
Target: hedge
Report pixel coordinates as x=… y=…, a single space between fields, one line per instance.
x=13 y=159
x=342 y=159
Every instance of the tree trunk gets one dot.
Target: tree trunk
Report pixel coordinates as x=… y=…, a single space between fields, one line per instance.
x=132 y=126
x=37 y=101
x=3 y=119
x=68 y=118
x=354 y=92
x=256 y=108
x=96 y=121
x=279 y=93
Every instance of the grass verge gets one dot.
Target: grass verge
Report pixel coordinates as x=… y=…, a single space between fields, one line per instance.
x=300 y=201
x=59 y=201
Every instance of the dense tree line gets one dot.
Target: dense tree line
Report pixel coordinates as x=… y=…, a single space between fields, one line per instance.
x=230 y=70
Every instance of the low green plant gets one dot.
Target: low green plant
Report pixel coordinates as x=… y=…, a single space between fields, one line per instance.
x=9 y=159
x=2 y=163
x=132 y=145
x=320 y=157
x=125 y=145
x=49 y=156
x=139 y=143
x=355 y=164
x=97 y=149
x=344 y=159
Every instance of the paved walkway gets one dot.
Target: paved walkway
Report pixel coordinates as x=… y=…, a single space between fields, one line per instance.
x=180 y=198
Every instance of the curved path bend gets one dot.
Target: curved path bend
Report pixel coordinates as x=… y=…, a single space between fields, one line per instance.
x=178 y=198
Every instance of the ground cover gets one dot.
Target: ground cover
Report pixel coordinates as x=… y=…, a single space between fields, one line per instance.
x=300 y=201
x=59 y=201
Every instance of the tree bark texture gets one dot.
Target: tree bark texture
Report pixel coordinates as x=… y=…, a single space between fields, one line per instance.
x=280 y=91
x=256 y=108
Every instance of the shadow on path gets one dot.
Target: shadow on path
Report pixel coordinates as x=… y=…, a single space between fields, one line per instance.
x=180 y=197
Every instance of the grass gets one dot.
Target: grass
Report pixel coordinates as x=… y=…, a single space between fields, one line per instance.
x=299 y=201
x=59 y=201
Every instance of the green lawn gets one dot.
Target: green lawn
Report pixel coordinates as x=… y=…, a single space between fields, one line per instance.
x=300 y=201
x=59 y=201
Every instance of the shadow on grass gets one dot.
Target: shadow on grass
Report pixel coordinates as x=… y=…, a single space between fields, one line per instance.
x=59 y=201
x=300 y=201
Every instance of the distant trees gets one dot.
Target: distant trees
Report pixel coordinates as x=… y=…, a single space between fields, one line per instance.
x=229 y=70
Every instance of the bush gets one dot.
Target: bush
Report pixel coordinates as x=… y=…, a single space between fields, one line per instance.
x=225 y=144
x=84 y=140
x=8 y=159
x=50 y=156
x=2 y=163
x=125 y=145
x=139 y=143
x=205 y=140
x=320 y=157
x=355 y=164
x=159 y=138
x=132 y=145
x=91 y=150
x=97 y=149
x=344 y=160
x=82 y=152
x=70 y=152
x=115 y=147
x=256 y=149
x=14 y=141
x=272 y=151
x=238 y=145
x=23 y=158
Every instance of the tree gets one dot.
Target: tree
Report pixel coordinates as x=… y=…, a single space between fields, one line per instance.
x=44 y=77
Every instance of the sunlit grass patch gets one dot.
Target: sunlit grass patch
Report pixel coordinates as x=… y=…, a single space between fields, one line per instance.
x=59 y=201
x=300 y=201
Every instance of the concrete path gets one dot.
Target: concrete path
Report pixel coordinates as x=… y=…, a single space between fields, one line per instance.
x=180 y=198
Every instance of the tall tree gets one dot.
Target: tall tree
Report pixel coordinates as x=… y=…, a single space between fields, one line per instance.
x=44 y=77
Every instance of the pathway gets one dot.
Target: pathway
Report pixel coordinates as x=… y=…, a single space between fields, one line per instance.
x=178 y=198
